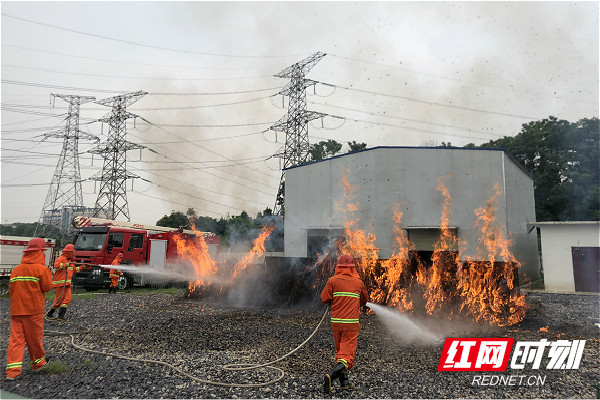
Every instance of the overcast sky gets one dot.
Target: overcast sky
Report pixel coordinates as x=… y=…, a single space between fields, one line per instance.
x=395 y=74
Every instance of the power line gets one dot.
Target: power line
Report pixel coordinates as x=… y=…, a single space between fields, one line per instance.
x=131 y=63
x=33 y=84
x=129 y=42
x=54 y=71
x=203 y=189
x=210 y=93
x=206 y=140
x=428 y=102
x=31 y=112
x=42 y=85
x=204 y=148
x=408 y=119
x=204 y=106
x=205 y=125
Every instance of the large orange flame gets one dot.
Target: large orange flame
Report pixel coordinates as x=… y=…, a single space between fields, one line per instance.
x=257 y=250
x=488 y=287
x=485 y=290
x=195 y=250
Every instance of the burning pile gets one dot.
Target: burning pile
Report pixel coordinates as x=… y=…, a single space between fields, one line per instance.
x=215 y=276
x=446 y=284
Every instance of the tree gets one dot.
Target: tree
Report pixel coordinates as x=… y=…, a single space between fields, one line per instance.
x=323 y=149
x=563 y=158
x=177 y=219
x=356 y=146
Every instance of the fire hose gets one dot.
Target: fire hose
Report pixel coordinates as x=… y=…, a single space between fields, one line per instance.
x=228 y=367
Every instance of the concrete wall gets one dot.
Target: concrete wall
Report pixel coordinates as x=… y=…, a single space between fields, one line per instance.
x=406 y=177
x=518 y=189
x=557 y=240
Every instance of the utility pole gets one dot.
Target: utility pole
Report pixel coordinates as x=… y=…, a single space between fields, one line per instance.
x=112 y=197
x=295 y=123
x=65 y=197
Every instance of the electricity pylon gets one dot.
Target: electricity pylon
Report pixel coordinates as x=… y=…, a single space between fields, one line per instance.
x=295 y=123
x=112 y=197
x=65 y=196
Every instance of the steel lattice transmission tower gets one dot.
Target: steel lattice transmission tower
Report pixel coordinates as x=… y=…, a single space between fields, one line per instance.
x=295 y=123
x=112 y=197
x=65 y=197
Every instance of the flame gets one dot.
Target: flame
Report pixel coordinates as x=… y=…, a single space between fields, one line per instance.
x=484 y=290
x=487 y=287
x=195 y=250
x=545 y=329
x=395 y=274
x=357 y=243
x=257 y=250
x=440 y=285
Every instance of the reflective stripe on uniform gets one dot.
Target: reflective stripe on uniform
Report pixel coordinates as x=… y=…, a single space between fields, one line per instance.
x=113 y=275
x=14 y=365
x=346 y=294
x=63 y=281
x=39 y=360
x=25 y=279
x=344 y=320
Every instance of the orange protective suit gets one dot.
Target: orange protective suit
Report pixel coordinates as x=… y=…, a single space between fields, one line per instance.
x=28 y=283
x=114 y=273
x=63 y=273
x=346 y=293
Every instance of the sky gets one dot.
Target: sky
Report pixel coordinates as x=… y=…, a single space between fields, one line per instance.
x=394 y=74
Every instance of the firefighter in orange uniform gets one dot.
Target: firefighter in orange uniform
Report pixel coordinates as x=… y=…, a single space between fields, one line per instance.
x=28 y=283
x=63 y=273
x=346 y=293
x=114 y=274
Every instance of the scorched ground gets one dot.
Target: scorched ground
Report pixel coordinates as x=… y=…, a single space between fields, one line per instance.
x=198 y=336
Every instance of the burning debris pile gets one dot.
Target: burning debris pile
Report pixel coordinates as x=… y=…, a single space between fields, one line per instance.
x=444 y=284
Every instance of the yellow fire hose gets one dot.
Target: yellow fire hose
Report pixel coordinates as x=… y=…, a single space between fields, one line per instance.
x=229 y=367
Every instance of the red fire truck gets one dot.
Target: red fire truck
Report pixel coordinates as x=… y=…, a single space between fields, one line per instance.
x=98 y=241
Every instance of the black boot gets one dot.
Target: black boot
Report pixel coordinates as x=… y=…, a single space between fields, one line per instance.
x=335 y=373
x=344 y=382
x=61 y=314
x=50 y=313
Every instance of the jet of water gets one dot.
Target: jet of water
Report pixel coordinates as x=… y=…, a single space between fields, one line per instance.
x=401 y=327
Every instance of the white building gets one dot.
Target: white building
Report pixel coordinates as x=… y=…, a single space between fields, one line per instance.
x=571 y=255
x=407 y=177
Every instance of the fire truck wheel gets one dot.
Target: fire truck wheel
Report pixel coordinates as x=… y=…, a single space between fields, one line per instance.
x=125 y=282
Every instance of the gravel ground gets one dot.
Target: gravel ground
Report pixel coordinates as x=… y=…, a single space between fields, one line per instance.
x=199 y=336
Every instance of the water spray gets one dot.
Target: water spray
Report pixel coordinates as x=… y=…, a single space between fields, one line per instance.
x=403 y=327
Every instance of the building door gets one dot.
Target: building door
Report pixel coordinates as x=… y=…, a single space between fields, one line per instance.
x=586 y=268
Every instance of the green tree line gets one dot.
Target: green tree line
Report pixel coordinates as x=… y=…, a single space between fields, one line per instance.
x=563 y=158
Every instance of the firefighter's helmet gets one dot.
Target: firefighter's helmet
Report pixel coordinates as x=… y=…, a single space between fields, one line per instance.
x=69 y=248
x=346 y=260
x=36 y=244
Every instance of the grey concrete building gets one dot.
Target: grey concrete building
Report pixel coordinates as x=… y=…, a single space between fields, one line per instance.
x=570 y=255
x=383 y=178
